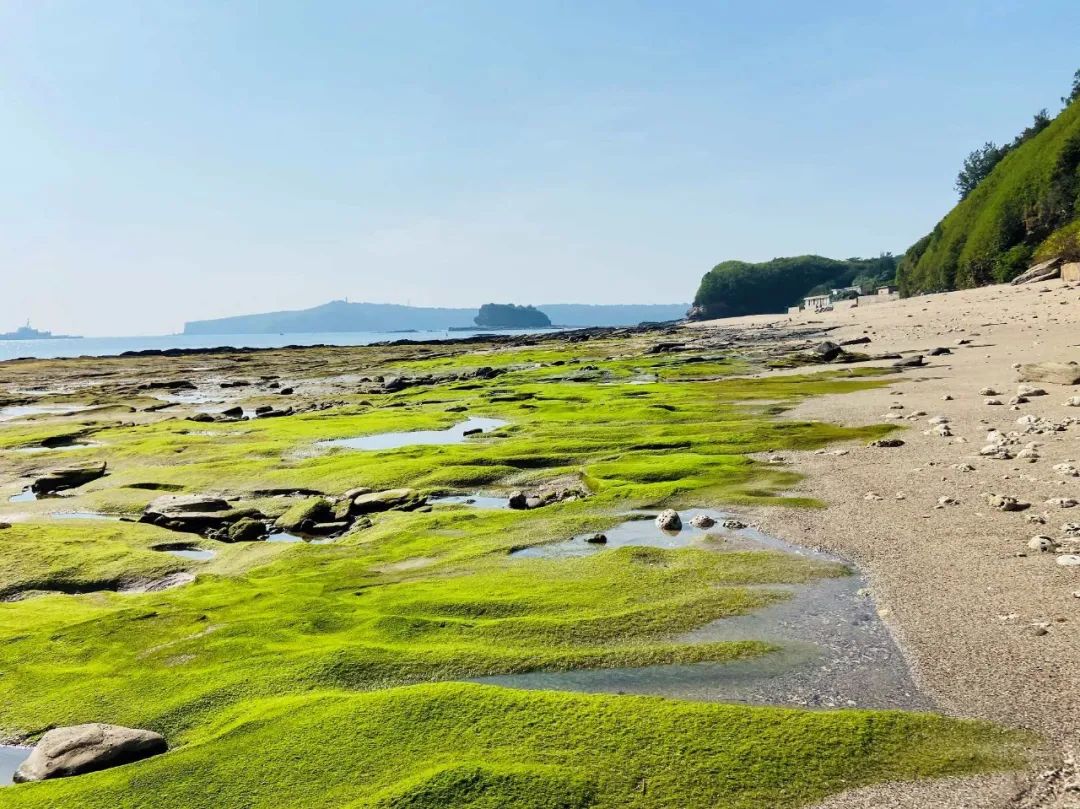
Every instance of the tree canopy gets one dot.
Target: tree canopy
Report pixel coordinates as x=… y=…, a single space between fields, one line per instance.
x=510 y=316
x=734 y=288
x=1019 y=204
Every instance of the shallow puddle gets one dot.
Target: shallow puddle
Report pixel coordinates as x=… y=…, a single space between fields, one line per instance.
x=451 y=435
x=10 y=759
x=82 y=515
x=284 y=536
x=185 y=550
x=637 y=532
x=13 y=412
x=834 y=649
x=472 y=500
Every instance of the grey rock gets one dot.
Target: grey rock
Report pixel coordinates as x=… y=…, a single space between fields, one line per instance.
x=246 y=530
x=87 y=748
x=1059 y=373
x=401 y=499
x=669 y=520
x=702 y=521
x=68 y=477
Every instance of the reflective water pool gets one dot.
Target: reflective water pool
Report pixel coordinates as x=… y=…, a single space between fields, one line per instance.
x=451 y=435
x=186 y=550
x=472 y=500
x=834 y=649
x=10 y=759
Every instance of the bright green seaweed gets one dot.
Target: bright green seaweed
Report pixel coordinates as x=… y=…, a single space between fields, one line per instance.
x=309 y=676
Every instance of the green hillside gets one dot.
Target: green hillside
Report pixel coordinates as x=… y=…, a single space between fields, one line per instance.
x=734 y=288
x=1025 y=210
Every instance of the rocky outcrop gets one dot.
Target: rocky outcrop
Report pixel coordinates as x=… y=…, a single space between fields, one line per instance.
x=391 y=499
x=1044 y=271
x=67 y=477
x=198 y=514
x=88 y=748
x=1059 y=373
x=564 y=489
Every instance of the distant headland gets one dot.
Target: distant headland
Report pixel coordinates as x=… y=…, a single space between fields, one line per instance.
x=343 y=316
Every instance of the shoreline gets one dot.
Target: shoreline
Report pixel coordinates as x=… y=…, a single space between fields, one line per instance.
x=989 y=626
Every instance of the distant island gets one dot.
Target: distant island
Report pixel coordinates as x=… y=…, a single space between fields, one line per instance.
x=510 y=316
x=343 y=316
x=28 y=333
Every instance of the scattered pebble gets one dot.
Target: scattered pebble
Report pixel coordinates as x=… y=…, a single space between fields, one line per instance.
x=1042 y=544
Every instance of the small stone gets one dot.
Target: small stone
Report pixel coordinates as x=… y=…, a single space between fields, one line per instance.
x=733 y=525
x=1003 y=502
x=988 y=392
x=702 y=521
x=948 y=501
x=1062 y=502
x=1069 y=560
x=596 y=539
x=1029 y=390
x=992 y=401
x=873 y=496
x=669 y=520
x=886 y=442
x=947 y=398
x=1042 y=544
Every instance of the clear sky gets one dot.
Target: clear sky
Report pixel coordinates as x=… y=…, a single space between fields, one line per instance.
x=163 y=161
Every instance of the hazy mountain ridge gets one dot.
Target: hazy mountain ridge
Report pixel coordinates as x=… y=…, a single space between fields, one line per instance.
x=343 y=316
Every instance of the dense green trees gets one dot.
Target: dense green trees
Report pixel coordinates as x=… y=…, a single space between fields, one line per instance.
x=1026 y=209
x=740 y=288
x=1019 y=203
x=510 y=316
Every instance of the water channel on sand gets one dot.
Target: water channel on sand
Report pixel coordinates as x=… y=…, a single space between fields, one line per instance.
x=835 y=651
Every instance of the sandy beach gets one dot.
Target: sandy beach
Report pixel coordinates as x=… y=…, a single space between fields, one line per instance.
x=991 y=626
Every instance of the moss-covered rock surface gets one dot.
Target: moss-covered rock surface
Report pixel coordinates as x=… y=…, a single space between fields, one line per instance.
x=329 y=674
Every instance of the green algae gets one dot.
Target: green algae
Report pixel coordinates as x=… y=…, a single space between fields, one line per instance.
x=279 y=656
x=457 y=745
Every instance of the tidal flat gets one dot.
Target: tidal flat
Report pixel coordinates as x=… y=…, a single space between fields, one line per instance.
x=338 y=672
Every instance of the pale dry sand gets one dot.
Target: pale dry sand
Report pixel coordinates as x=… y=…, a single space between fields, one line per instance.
x=990 y=633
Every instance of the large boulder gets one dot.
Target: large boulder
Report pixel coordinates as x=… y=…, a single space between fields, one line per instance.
x=301 y=516
x=827 y=351
x=87 y=748
x=246 y=529
x=1044 y=271
x=193 y=513
x=401 y=499
x=560 y=489
x=1060 y=373
x=174 y=504
x=68 y=477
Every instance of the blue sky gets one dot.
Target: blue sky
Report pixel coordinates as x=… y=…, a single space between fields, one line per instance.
x=165 y=161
